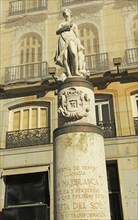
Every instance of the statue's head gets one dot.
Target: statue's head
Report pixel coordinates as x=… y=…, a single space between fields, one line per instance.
x=67 y=12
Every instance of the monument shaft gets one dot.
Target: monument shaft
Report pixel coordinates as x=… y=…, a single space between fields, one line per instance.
x=80 y=182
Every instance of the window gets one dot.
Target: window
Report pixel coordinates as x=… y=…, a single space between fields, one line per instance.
x=105 y=114
x=30 y=49
x=89 y=37
x=134 y=102
x=102 y=110
x=27 y=189
x=29 y=117
x=29 y=125
x=114 y=191
x=27 y=196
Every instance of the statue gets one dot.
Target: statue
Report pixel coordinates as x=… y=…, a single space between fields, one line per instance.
x=70 y=52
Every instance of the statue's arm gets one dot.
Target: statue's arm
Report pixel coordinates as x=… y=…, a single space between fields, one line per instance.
x=66 y=26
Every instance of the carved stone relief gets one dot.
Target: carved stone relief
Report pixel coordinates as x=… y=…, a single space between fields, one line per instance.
x=74 y=104
x=30 y=25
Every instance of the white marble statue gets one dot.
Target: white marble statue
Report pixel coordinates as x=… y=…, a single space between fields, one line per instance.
x=70 y=52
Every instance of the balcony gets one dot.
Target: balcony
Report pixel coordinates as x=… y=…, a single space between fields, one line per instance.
x=136 y=124
x=132 y=56
x=28 y=137
x=108 y=128
x=72 y=2
x=22 y=6
x=26 y=72
x=97 y=62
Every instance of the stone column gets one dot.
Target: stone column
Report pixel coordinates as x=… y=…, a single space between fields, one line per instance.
x=80 y=182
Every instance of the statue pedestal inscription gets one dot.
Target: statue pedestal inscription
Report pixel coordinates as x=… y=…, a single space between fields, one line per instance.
x=80 y=184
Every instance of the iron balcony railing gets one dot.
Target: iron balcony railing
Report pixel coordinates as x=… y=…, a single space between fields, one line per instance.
x=132 y=56
x=108 y=128
x=26 y=71
x=28 y=137
x=72 y=2
x=22 y=6
x=97 y=62
x=136 y=124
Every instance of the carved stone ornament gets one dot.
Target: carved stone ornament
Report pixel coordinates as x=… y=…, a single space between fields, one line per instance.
x=74 y=104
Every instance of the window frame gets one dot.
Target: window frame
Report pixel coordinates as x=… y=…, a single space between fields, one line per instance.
x=45 y=188
x=134 y=100
x=27 y=44
x=30 y=105
x=105 y=99
x=90 y=33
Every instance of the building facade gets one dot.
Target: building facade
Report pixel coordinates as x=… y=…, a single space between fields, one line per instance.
x=28 y=101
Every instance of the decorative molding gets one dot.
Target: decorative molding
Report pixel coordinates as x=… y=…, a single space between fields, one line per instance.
x=91 y=17
x=30 y=24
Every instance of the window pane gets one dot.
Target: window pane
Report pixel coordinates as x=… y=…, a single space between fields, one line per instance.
x=16 y=121
x=88 y=46
x=39 y=54
x=27 y=189
x=33 y=40
x=112 y=175
x=105 y=112
x=34 y=118
x=81 y=32
x=87 y=31
x=26 y=119
x=28 y=40
x=97 y=114
x=137 y=104
x=33 y=54
x=114 y=192
x=43 y=117
x=115 y=207
x=22 y=54
x=27 y=55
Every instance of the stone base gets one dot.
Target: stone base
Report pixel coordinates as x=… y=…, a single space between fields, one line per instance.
x=80 y=182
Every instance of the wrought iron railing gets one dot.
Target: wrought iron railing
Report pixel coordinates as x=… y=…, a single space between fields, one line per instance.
x=136 y=124
x=28 y=137
x=132 y=56
x=21 y=6
x=97 y=61
x=27 y=71
x=72 y=2
x=108 y=128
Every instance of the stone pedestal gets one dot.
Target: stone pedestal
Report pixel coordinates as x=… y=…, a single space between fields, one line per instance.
x=80 y=182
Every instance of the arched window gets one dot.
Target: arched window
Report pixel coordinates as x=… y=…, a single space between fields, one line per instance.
x=30 y=49
x=89 y=38
x=30 y=57
x=29 y=125
x=29 y=117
